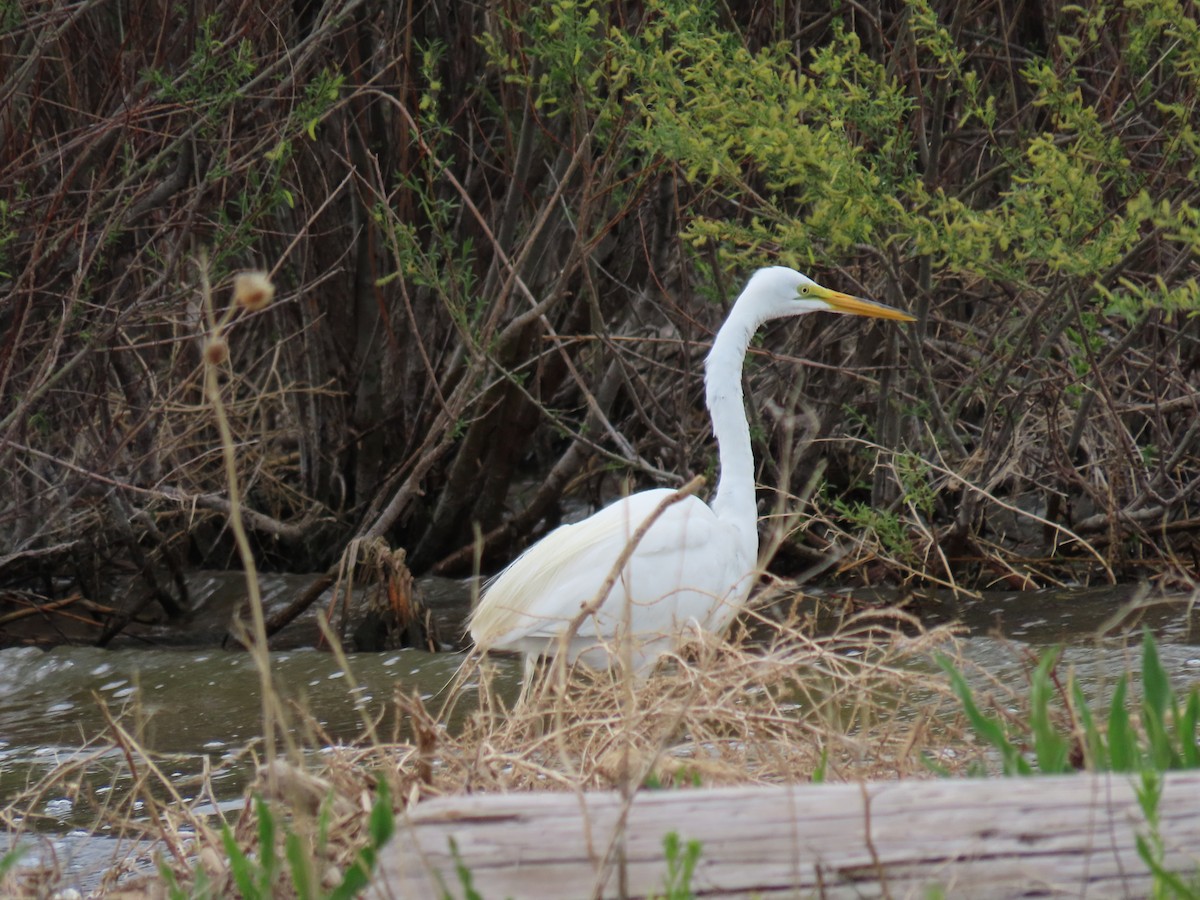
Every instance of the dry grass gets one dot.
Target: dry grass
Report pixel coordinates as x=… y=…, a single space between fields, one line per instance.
x=784 y=706
x=719 y=714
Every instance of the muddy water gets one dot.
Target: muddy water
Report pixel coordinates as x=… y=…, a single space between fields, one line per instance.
x=198 y=708
x=193 y=710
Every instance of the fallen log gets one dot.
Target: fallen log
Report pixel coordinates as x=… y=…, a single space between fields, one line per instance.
x=1070 y=836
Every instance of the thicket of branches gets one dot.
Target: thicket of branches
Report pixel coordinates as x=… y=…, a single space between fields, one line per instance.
x=502 y=235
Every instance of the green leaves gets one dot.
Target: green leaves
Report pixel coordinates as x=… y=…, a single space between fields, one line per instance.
x=755 y=125
x=822 y=153
x=803 y=157
x=380 y=828
x=1167 y=737
x=989 y=728
x=260 y=876
x=563 y=58
x=466 y=880
x=9 y=860
x=681 y=866
x=1121 y=747
x=1050 y=747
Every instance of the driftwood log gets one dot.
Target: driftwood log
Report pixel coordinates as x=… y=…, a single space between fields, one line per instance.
x=1072 y=836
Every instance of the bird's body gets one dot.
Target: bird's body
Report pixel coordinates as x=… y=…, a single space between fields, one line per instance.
x=694 y=565
x=683 y=569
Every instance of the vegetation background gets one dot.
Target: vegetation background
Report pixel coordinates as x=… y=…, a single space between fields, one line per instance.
x=503 y=234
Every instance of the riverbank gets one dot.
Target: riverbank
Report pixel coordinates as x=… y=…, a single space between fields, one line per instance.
x=842 y=690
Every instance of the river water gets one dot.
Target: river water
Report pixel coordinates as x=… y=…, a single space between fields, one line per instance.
x=196 y=708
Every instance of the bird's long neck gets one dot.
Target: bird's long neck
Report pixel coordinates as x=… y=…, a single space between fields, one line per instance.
x=734 y=501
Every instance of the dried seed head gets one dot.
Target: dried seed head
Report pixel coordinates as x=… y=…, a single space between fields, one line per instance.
x=216 y=351
x=253 y=290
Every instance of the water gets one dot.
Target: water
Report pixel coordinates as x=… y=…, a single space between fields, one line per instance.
x=1098 y=628
x=192 y=710
x=187 y=700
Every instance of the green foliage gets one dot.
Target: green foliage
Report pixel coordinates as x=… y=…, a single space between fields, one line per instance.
x=821 y=771
x=681 y=866
x=567 y=35
x=465 y=879
x=1167 y=738
x=431 y=54
x=427 y=245
x=435 y=256
x=213 y=78
x=558 y=52
x=380 y=827
x=9 y=861
x=1150 y=846
x=683 y=778
x=1051 y=749
x=823 y=148
x=820 y=151
x=991 y=729
x=1022 y=181
x=11 y=12
x=261 y=876
x=883 y=525
x=212 y=85
x=564 y=57
x=320 y=96
x=914 y=476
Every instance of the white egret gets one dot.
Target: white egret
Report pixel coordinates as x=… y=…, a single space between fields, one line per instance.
x=694 y=565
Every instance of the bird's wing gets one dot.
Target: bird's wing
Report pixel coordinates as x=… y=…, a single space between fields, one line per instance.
x=687 y=547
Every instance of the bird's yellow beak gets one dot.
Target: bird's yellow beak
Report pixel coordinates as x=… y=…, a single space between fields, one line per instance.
x=856 y=306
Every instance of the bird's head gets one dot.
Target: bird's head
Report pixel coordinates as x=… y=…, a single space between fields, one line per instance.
x=777 y=291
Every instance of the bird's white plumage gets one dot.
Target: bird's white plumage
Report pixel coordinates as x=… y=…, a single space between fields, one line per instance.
x=694 y=566
x=686 y=568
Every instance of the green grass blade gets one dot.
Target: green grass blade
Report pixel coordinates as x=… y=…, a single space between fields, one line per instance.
x=464 y=875
x=300 y=866
x=267 y=860
x=9 y=860
x=1163 y=877
x=1157 y=699
x=822 y=768
x=681 y=866
x=383 y=819
x=1187 y=731
x=352 y=882
x=1096 y=756
x=989 y=729
x=324 y=820
x=202 y=888
x=1050 y=747
x=174 y=891
x=1149 y=795
x=933 y=766
x=1122 y=743
x=1156 y=687
x=239 y=865
x=380 y=827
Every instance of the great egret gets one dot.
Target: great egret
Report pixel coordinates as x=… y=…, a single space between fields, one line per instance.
x=694 y=565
